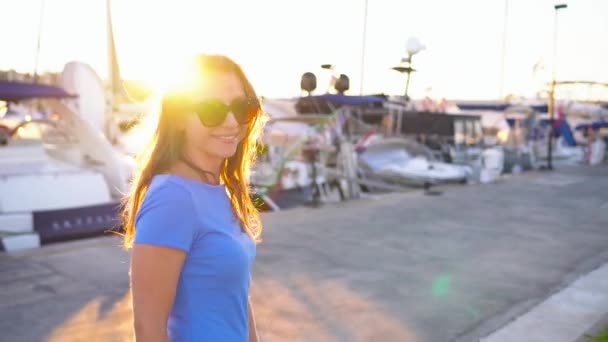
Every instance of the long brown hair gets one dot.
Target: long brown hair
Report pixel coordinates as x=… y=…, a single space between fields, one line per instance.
x=167 y=146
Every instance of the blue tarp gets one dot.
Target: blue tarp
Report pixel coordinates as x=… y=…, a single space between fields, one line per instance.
x=18 y=91
x=540 y=108
x=566 y=132
x=346 y=100
x=562 y=130
x=593 y=125
x=327 y=103
x=498 y=106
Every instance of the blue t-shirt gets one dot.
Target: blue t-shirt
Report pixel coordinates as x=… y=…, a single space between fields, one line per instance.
x=211 y=299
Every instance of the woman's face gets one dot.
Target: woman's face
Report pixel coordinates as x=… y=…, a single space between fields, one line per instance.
x=214 y=144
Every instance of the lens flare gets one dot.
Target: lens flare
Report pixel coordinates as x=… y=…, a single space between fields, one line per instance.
x=441 y=285
x=181 y=77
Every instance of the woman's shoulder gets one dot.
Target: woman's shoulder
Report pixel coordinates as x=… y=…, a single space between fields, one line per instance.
x=165 y=188
x=167 y=215
x=166 y=195
x=165 y=199
x=169 y=191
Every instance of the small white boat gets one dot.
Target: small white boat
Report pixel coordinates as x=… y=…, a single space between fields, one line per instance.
x=409 y=163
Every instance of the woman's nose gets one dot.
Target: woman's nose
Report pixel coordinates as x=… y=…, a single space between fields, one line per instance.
x=230 y=120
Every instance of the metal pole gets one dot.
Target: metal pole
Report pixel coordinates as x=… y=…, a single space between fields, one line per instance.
x=409 y=73
x=551 y=104
x=363 y=44
x=550 y=137
x=503 y=53
x=38 y=42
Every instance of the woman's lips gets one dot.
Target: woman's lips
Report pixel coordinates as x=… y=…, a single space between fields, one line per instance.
x=226 y=138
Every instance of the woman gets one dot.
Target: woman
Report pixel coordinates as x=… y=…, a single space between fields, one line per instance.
x=188 y=217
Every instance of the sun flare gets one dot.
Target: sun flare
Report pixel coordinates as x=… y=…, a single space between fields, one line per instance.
x=176 y=74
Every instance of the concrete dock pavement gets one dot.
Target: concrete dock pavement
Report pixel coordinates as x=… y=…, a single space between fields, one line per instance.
x=398 y=267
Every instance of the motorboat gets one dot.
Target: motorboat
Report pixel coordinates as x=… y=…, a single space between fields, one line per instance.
x=59 y=177
x=407 y=162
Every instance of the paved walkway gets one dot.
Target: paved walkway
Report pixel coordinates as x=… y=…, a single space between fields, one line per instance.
x=400 y=267
x=563 y=316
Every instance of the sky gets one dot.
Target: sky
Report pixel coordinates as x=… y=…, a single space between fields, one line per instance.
x=277 y=40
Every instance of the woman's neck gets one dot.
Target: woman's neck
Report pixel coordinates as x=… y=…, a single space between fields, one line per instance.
x=202 y=173
x=198 y=169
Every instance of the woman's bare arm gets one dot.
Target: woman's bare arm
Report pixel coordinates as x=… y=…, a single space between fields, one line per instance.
x=155 y=272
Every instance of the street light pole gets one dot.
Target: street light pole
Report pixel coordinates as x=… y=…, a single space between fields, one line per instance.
x=406 y=67
x=551 y=104
x=409 y=74
x=413 y=46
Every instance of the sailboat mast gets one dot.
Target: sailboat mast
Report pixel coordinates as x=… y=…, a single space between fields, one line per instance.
x=503 y=52
x=116 y=92
x=363 y=43
x=38 y=42
x=114 y=81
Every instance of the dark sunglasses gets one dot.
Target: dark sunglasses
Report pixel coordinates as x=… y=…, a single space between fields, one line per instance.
x=212 y=112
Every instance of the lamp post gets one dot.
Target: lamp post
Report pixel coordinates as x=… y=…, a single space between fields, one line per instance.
x=413 y=46
x=551 y=104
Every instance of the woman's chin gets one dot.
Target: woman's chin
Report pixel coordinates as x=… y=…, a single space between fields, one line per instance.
x=225 y=152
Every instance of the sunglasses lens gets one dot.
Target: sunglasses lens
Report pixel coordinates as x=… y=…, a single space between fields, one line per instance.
x=212 y=113
x=245 y=110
